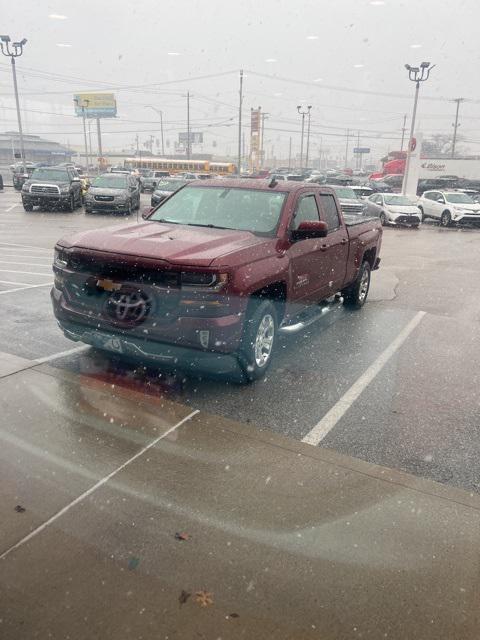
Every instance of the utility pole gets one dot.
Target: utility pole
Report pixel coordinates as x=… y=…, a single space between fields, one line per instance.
x=456 y=125
x=12 y=54
x=308 y=139
x=99 y=137
x=417 y=75
x=264 y=116
x=240 y=104
x=160 y=112
x=289 y=152
x=359 y=155
x=403 y=131
x=303 y=114
x=189 y=147
x=90 y=139
x=82 y=107
x=346 y=148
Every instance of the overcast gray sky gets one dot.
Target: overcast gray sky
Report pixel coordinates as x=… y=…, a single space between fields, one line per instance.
x=344 y=57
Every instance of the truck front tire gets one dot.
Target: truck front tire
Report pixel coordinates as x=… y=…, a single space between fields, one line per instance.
x=259 y=339
x=356 y=294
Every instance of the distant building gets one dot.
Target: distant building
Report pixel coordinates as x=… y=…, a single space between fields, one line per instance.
x=36 y=149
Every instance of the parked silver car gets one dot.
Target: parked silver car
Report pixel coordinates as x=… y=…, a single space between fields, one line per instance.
x=393 y=208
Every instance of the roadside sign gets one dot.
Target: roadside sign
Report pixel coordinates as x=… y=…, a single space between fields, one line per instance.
x=195 y=138
x=361 y=150
x=96 y=105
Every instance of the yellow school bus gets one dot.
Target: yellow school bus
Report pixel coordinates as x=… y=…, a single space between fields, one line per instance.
x=180 y=166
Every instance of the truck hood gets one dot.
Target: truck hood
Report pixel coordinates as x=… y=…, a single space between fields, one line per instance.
x=107 y=191
x=176 y=244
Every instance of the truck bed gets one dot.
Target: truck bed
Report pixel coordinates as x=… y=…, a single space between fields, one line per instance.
x=352 y=220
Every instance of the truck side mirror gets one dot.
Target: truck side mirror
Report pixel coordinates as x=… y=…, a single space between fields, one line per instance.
x=310 y=229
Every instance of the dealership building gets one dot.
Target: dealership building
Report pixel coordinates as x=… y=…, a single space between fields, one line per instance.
x=36 y=149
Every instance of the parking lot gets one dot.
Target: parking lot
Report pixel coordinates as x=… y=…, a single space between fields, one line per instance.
x=395 y=384
x=162 y=492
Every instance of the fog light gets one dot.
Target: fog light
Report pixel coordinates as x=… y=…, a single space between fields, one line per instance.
x=204 y=338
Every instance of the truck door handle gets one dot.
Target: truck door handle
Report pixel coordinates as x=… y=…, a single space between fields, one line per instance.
x=323 y=247
x=343 y=241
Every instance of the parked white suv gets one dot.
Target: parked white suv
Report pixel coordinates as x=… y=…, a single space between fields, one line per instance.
x=448 y=207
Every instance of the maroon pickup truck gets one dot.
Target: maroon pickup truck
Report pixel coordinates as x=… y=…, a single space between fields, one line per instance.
x=214 y=273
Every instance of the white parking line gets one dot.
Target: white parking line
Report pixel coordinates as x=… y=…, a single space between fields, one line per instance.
x=12 y=207
x=330 y=419
x=24 y=246
x=28 y=286
x=96 y=486
x=28 y=264
x=62 y=354
x=30 y=273
x=25 y=255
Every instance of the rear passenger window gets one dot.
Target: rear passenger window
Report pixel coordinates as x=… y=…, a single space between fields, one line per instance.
x=330 y=209
x=306 y=210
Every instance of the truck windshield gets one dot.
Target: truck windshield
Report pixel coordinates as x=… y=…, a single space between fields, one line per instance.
x=111 y=181
x=50 y=174
x=459 y=198
x=224 y=207
x=398 y=201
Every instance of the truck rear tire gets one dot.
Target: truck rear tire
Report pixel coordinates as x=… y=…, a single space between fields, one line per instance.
x=356 y=294
x=259 y=339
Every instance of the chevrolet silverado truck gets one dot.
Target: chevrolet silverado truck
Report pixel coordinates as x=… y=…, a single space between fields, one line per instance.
x=214 y=273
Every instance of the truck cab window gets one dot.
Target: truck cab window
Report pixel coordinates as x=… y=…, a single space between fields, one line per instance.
x=306 y=210
x=330 y=210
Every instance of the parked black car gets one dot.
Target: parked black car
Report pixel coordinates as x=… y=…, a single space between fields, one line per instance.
x=433 y=184
x=115 y=192
x=52 y=187
x=165 y=188
x=379 y=186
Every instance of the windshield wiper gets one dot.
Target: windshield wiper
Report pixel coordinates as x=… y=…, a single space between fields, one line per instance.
x=166 y=221
x=210 y=226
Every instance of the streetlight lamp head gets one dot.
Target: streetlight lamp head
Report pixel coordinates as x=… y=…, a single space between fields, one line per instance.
x=425 y=65
x=408 y=67
x=414 y=69
x=299 y=106
x=309 y=107
x=5 y=38
x=24 y=41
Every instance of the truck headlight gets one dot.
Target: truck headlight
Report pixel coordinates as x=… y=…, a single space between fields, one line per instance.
x=60 y=259
x=25 y=187
x=64 y=190
x=194 y=280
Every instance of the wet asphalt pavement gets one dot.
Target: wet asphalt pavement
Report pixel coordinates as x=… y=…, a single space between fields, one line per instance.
x=419 y=413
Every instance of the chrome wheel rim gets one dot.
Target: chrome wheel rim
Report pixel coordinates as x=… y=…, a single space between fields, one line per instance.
x=264 y=340
x=364 y=282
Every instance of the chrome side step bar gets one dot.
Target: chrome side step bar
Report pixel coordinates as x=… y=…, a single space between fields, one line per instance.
x=289 y=329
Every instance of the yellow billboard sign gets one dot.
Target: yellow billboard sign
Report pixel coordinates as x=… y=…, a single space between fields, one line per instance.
x=95 y=105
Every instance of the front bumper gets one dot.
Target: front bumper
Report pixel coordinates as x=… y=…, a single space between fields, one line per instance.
x=150 y=352
x=405 y=219
x=175 y=345
x=45 y=198
x=93 y=205
x=466 y=217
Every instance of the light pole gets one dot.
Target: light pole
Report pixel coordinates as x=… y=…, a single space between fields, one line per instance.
x=82 y=107
x=303 y=114
x=456 y=125
x=308 y=138
x=160 y=112
x=264 y=116
x=417 y=75
x=16 y=52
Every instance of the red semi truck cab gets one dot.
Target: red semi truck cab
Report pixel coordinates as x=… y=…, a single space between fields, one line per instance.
x=213 y=274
